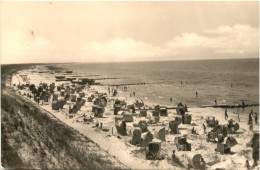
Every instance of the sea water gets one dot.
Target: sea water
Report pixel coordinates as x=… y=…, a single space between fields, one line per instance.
x=228 y=81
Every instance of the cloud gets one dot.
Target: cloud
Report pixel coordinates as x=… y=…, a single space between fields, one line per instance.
x=222 y=42
x=187 y=40
x=120 y=49
x=239 y=39
x=24 y=46
x=236 y=39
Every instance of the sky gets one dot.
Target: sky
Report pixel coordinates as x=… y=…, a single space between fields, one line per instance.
x=46 y=32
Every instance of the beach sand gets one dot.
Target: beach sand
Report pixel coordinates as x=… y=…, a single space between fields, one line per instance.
x=133 y=156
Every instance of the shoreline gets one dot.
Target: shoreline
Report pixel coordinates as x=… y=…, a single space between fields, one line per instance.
x=129 y=151
x=209 y=85
x=221 y=104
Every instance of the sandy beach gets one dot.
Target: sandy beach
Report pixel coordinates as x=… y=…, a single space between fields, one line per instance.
x=133 y=156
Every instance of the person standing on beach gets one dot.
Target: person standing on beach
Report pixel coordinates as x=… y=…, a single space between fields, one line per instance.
x=133 y=93
x=173 y=155
x=216 y=101
x=255 y=145
x=249 y=118
x=196 y=94
x=238 y=116
x=250 y=122
x=171 y=99
x=256 y=118
x=252 y=112
x=226 y=115
x=204 y=127
x=247 y=165
x=243 y=105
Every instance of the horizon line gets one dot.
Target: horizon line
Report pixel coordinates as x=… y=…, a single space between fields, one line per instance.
x=96 y=62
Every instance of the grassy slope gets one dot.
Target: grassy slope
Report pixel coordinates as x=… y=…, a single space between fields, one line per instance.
x=31 y=138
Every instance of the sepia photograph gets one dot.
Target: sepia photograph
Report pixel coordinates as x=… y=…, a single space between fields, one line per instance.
x=129 y=85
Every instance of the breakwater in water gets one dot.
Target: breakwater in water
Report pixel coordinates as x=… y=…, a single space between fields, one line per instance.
x=226 y=81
